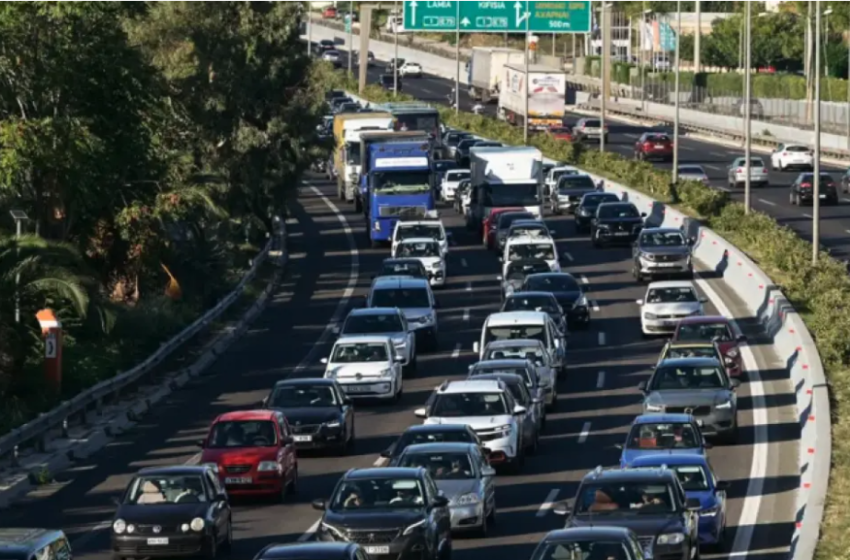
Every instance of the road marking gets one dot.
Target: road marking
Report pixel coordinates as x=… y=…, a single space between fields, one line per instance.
x=716 y=168
x=718 y=154
x=809 y=216
x=568 y=256
x=602 y=339
x=463 y=263
x=846 y=199
x=584 y=280
x=456 y=352
x=724 y=189
x=594 y=306
x=585 y=431
x=466 y=314
x=469 y=286
x=548 y=503
x=600 y=380
x=769 y=203
x=309 y=532
x=847 y=230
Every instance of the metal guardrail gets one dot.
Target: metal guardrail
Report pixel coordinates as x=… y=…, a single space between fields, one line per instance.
x=36 y=431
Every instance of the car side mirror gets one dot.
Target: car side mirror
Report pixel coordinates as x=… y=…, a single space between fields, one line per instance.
x=476 y=347
x=116 y=501
x=642 y=386
x=692 y=242
x=387 y=453
x=320 y=505
x=703 y=300
x=519 y=410
x=562 y=508
x=421 y=413
x=643 y=215
x=618 y=446
x=287 y=440
x=264 y=403
x=336 y=330
x=722 y=485
x=488 y=471
x=742 y=339
x=440 y=502
x=734 y=383
x=707 y=445
x=323 y=361
x=538 y=400
x=639 y=302
x=399 y=359
x=347 y=401
x=693 y=504
x=202 y=443
x=436 y=304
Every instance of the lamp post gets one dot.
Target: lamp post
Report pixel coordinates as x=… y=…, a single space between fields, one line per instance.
x=309 y=30
x=20 y=217
x=457 y=60
x=678 y=94
x=643 y=24
x=350 y=35
x=527 y=85
x=748 y=108
x=817 y=181
x=395 y=56
x=606 y=54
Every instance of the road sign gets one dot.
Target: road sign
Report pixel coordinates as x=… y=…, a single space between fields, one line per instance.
x=497 y=17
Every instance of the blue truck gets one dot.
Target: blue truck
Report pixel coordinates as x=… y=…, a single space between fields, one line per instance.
x=367 y=140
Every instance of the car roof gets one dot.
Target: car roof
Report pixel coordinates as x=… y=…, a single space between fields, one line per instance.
x=660 y=459
x=246 y=416
x=587 y=533
x=177 y=470
x=517 y=295
x=506 y=378
x=395 y=282
x=705 y=320
x=516 y=318
x=690 y=344
x=25 y=540
x=308 y=551
x=413 y=223
x=661 y=230
x=672 y=284
x=471 y=386
x=500 y=363
x=663 y=418
x=440 y=447
x=401 y=260
x=419 y=428
x=304 y=382
x=530 y=240
x=690 y=362
x=384 y=472
x=514 y=342
x=374 y=311
x=634 y=475
x=364 y=339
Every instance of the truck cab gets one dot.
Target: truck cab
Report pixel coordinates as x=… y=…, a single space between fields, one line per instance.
x=367 y=140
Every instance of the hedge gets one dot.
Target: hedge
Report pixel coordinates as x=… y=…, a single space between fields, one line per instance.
x=821 y=294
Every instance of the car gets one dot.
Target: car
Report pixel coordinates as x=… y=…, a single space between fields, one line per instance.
x=416 y=300
x=654 y=145
x=327 y=44
x=674 y=350
x=449 y=186
x=421 y=229
x=616 y=223
x=533 y=419
x=329 y=13
x=350 y=108
x=695 y=386
x=463 y=198
x=194 y=515
x=453 y=139
x=526 y=371
x=413 y=69
x=530 y=228
x=333 y=56
x=530 y=248
x=569 y=191
x=370 y=58
x=394 y=63
x=429 y=251
x=667 y=303
x=366 y=367
x=490 y=409
x=719 y=330
x=650 y=502
x=662 y=252
x=380 y=321
x=789 y=156
x=517 y=271
x=554 y=175
x=756 y=108
x=253 y=452
x=737 y=173
x=462 y=150
x=597 y=542
x=431 y=433
x=562 y=133
x=491 y=225
x=26 y=543
x=337 y=101
x=498 y=236
x=533 y=352
x=526 y=328
x=317 y=411
x=335 y=94
x=845 y=182
x=803 y=190
x=585 y=210
x=313 y=551
x=402 y=267
x=699 y=482
x=464 y=476
x=537 y=301
x=568 y=293
x=653 y=433
x=391 y=511
x=691 y=172
x=590 y=129
x=389 y=82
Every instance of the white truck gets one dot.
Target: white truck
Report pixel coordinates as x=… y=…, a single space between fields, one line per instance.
x=507 y=177
x=546 y=96
x=352 y=130
x=486 y=71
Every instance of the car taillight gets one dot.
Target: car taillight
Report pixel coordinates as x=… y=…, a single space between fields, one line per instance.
x=784 y=154
x=739 y=170
x=806 y=186
x=764 y=169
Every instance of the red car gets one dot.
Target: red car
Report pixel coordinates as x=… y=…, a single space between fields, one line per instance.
x=714 y=329
x=490 y=226
x=561 y=133
x=653 y=145
x=253 y=453
x=329 y=13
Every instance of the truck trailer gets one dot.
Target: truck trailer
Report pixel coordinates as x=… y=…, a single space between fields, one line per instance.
x=486 y=70
x=546 y=96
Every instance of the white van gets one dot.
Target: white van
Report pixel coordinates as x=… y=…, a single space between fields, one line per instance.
x=526 y=247
x=421 y=229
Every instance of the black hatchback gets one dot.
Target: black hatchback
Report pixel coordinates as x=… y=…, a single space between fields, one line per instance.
x=313 y=551
x=616 y=223
x=803 y=189
x=430 y=433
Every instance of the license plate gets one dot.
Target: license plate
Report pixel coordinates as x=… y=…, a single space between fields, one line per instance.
x=621 y=234
x=823 y=196
x=158 y=541
x=669 y=323
x=377 y=550
x=647 y=553
x=358 y=389
x=659 y=146
x=298 y=439
x=666 y=265
x=238 y=480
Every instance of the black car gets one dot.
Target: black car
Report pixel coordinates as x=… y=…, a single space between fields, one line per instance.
x=600 y=541
x=518 y=271
x=334 y=94
x=537 y=301
x=462 y=151
x=586 y=209
x=616 y=223
x=172 y=511
x=327 y=45
x=337 y=102
x=505 y=221
x=569 y=191
x=803 y=189
x=648 y=501
x=313 y=551
x=402 y=267
x=393 y=512
x=661 y=252
x=351 y=107
x=453 y=138
x=319 y=413
x=430 y=433
x=389 y=82
x=34 y=544
x=566 y=290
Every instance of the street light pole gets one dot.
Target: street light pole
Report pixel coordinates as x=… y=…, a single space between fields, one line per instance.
x=678 y=95
x=350 y=36
x=817 y=181
x=457 y=60
x=698 y=37
x=395 y=56
x=748 y=107
x=527 y=86
x=606 y=52
x=20 y=217
x=309 y=30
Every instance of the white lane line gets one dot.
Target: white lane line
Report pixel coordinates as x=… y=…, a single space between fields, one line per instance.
x=769 y=203
x=456 y=352
x=600 y=380
x=469 y=286
x=718 y=154
x=602 y=339
x=846 y=199
x=548 y=502
x=585 y=431
x=724 y=189
x=466 y=314
x=809 y=216
x=584 y=280
x=594 y=306
x=309 y=532
x=568 y=256
x=463 y=263
x=847 y=230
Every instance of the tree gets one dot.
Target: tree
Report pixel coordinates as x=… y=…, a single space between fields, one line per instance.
x=776 y=41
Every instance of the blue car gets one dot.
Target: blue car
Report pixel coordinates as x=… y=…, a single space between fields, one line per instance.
x=667 y=434
x=699 y=482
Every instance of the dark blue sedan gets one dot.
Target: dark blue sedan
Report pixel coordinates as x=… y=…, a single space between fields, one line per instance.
x=668 y=434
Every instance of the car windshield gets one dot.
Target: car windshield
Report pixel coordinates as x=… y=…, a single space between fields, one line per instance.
x=657 y=138
x=687 y=378
x=159 y=490
x=459 y=405
x=355 y=353
x=457 y=176
x=575 y=182
x=531 y=251
x=692 y=477
x=516 y=332
x=684 y=170
x=418 y=249
x=754 y=162
x=677 y=352
x=420 y=231
x=373 y=324
x=627 y=497
x=505 y=220
x=591 y=123
x=411 y=268
x=669 y=435
x=532 y=303
x=441 y=466
x=704 y=332
x=407 y=182
x=616 y=211
x=496 y=369
x=553 y=283
x=529 y=231
x=594 y=549
x=671 y=295
x=558 y=173
x=401 y=298
x=797 y=149
x=378 y=493
x=594 y=200
x=533 y=354
x=303 y=396
x=256 y=433
x=662 y=239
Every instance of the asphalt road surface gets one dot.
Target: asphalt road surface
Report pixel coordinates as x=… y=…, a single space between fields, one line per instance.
x=331 y=264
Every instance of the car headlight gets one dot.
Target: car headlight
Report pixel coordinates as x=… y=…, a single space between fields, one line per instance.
x=211 y=466
x=584 y=212
x=603 y=226
x=648 y=257
x=467 y=500
x=724 y=406
x=437 y=265
x=650 y=316
x=268 y=466
x=377 y=226
x=671 y=538
x=119 y=526
x=425 y=319
x=333 y=424
x=582 y=302
x=386 y=372
x=653 y=408
x=695 y=312
x=733 y=353
x=710 y=512
x=334 y=530
x=330 y=374
x=418 y=525
x=197 y=524
x=505 y=430
x=185 y=528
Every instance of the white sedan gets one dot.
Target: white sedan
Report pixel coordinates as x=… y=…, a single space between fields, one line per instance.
x=366 y=367
x=451 y=182
x=667 y=303
x=792 y=156
x=409 y=69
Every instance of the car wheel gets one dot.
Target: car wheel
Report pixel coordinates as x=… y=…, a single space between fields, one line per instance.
x=792 y=199
x=532 y=449
x=484 y=531
x=228 y=541
x=212 y=549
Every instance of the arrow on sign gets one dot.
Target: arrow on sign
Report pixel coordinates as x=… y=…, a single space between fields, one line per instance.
x=520 y=18
x=465 y=22
x=50 y=345
x=413 y=12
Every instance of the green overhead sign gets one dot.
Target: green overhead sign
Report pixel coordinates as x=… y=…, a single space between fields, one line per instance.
x=497 y=17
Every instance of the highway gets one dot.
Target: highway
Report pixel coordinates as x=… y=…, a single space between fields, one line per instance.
x=331 y=265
